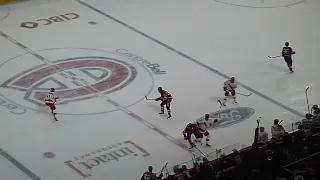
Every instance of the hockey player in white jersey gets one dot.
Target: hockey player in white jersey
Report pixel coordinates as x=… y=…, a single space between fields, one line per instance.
x=230 y=87
x=203 y=125
x=50 y=101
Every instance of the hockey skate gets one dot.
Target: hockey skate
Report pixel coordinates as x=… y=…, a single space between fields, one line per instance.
x=161 y=113
x=192 y=146
x=196 y=141
x=224 y=102
x=208 y=145
x=169 y=116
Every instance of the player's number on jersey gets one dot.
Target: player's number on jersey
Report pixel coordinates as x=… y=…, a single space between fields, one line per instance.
x=49 y=96
x=147 y=178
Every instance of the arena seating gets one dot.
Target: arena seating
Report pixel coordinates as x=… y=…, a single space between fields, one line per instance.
x=297 y=156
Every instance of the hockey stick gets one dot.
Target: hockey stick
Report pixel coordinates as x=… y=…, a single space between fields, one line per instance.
x=219 y=108
x=307 y=100
x=193 y=158
x=245 y=94
x=148 y=98
x=165 y=166
x=167 y=172
x=200 y=151
x=274 y=56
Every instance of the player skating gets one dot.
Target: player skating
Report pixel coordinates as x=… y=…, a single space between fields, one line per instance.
x=50 y=101
x=188 y=131
x=230 y=87
x=287 y=53
x=203 y=126
x=166 y=100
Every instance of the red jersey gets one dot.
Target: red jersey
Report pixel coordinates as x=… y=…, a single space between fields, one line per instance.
x=179 y=176
x=165 y=95
x=193 y=128
x=187 y=174
x=148 y=176
x=287 y=51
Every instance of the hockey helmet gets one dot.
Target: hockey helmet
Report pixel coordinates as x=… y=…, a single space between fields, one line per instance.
x=159 y=88
x=287 y=43
x=52 y=89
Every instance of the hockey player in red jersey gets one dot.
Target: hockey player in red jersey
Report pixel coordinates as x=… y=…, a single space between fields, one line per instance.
x=188 y=131
x=230 y=87
x=150 y=175
x=166 y=100
x=50 y=101
x=287 y=53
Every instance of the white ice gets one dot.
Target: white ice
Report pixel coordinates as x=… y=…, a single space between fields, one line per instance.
x=231 y=39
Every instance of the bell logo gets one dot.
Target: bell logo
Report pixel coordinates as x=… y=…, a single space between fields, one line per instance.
x=229 y=117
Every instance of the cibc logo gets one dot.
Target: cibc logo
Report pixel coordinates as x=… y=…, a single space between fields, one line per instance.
x=50 y=20
x=229 y=117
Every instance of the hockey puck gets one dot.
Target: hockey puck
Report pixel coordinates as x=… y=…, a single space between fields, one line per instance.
x=49 y=155
x=92 y=22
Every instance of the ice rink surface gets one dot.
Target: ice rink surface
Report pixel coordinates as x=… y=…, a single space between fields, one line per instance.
x=104 y=57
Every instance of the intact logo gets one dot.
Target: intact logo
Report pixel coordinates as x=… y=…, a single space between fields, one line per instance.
x=84 y=165
x=99 y=74
x=229 y=117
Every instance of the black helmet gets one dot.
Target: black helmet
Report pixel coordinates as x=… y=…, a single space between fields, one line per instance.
x=159 y=88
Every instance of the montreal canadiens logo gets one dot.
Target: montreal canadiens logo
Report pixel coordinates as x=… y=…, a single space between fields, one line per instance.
x=102 y=74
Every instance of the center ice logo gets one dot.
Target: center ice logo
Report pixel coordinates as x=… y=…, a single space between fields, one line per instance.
x=229 y=117
x=100 y=74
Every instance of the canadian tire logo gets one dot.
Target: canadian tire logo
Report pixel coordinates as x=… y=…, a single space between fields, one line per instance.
x=229 y=117
x=101 y=74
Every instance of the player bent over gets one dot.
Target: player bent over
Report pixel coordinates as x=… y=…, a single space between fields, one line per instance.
x=50 y=101
x=203 y=125
x=188 y=131
x=287 y=53
x=166 y=100
x=230 y=87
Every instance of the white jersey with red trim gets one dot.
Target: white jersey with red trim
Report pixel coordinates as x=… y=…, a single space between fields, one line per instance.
x=204 y=124
x=51 y=98
x=230 y=85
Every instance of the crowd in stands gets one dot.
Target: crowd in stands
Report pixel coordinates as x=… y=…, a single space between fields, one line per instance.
x=285 y=156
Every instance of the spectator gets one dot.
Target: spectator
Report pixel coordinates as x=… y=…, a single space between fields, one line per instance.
x=262 y=137
x=236 y=157
x=150 y=175
x=206 y=169
x=187 y=174
x=316 y=114
x=178 y=174
x=277 y=131
x=300 y=135
x=315 y=109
